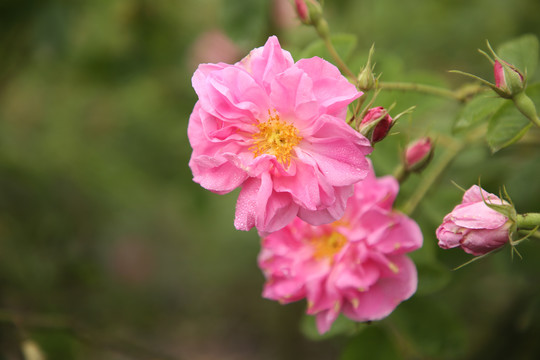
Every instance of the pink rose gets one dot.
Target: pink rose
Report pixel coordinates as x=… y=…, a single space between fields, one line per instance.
x=474 y=226
x=276 y=129
x=356 y=265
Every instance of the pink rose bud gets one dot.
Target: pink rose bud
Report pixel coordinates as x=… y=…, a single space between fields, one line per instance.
x=473 y=225
x=510 y=84
x=302 y=11
x=418 y=154
x=508 y=78
x=376 y=124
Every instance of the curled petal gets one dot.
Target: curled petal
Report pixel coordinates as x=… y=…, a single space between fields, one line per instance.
x=267 y=62
x=473 y=225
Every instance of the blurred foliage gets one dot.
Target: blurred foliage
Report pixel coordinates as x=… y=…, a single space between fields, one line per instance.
x=108 y=250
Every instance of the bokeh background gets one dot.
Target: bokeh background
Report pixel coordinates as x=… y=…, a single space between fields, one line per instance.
x=108 y=250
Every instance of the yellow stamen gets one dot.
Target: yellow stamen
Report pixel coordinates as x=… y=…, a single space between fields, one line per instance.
x=393 y=267
x=327 y=246
x=275 y=137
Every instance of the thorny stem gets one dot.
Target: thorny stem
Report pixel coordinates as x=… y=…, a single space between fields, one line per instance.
x=462 y=94
x=529 y=220
x=428 y=89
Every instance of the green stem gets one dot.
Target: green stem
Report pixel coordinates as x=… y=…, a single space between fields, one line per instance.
x=529 y=220
x=427 y=89
x=453 y=147
x=401 y=174
x=340 y=63
x=437 y=168
x=431 y=176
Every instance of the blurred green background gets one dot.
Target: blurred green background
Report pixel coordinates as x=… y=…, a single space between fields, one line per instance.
x=108 y=250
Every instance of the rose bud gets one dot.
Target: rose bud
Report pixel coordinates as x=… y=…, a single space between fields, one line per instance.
x=302 y=11
x=508 y=78
x=376 y=124
x=366 y=79
x=418 y=154
x=473 y=225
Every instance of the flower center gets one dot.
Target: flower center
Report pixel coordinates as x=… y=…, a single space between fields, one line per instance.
x=327 y=246
x=275 y=137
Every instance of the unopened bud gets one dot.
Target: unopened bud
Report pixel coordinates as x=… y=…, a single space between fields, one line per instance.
x=315 y=11
x=508 y=79
x=366 y=79
x=418 y=154
x=302 y=11
x=376 y=124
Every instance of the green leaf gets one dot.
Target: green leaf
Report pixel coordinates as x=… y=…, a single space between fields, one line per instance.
x=508 y=125
x=521 y=52
x=343 y=43
x=374 y=343
x=478 y=110
x=342 y=326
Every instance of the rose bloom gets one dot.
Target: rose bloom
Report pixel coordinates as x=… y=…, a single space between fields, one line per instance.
x=474 y=226
x=356 y=266
x=276 y=129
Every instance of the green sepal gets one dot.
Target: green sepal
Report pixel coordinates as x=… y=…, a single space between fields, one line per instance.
x=507 y=210
x=367 y=129
x=499 y=92
x=366 y=80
